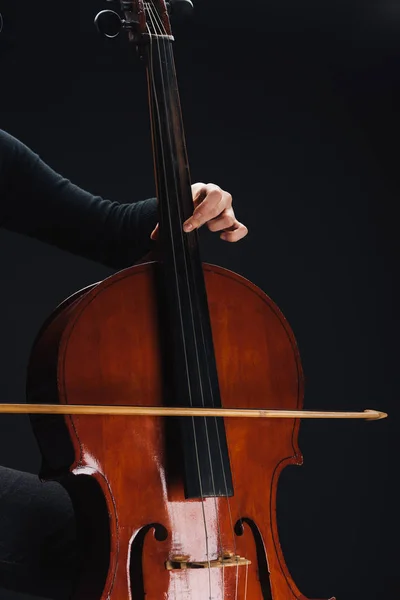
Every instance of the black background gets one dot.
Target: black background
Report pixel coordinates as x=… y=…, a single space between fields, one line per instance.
x=292 y=107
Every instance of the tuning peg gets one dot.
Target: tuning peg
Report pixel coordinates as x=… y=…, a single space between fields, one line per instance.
x=180 y=7
x=108 y=23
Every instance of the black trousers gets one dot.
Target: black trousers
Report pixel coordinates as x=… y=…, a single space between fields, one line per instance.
x=37 y=538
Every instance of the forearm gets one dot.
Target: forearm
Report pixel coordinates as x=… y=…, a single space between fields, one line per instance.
x=38 y=202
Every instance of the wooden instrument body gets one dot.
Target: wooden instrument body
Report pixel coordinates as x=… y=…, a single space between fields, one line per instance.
x=108 y=345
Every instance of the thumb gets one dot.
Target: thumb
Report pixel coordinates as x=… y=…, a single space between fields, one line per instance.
x=154 y=233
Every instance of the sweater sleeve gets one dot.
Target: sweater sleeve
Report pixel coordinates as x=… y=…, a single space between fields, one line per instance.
x=38 y=202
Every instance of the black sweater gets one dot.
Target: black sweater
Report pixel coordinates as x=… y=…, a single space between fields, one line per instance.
x=36 y=201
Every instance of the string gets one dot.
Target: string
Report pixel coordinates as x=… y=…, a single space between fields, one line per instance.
x=245 y=584
x=161 y=27
x=163 y=32
x=217 y=432
x=158 y=22
x=177 y=285
x=202 y=396
x=218 y=437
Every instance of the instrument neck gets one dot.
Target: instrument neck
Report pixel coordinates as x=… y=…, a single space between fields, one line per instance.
x=192 y=369
x=171 y=163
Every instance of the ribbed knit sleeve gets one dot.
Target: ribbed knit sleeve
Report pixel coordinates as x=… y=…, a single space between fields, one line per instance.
x=40 y=203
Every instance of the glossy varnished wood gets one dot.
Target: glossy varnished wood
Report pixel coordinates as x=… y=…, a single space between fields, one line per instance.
x=104 y=348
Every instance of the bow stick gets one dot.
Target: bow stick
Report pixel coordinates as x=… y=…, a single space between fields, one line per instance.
x=164 y=411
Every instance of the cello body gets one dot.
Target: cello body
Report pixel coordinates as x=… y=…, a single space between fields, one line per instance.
x=170 y=508
x=107 y=345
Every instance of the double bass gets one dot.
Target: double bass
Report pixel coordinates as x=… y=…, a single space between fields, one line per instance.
x=167 y=398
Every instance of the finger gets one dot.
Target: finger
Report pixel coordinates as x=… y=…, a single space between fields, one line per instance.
x=225 y=220
x=199 y=192
x=238 y=232
x=207 y=209
x=214 y=204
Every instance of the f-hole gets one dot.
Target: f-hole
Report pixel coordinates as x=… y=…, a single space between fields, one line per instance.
x=262 y=561
x=136 y=558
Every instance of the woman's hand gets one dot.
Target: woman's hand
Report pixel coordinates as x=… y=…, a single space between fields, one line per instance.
x=213 y=207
